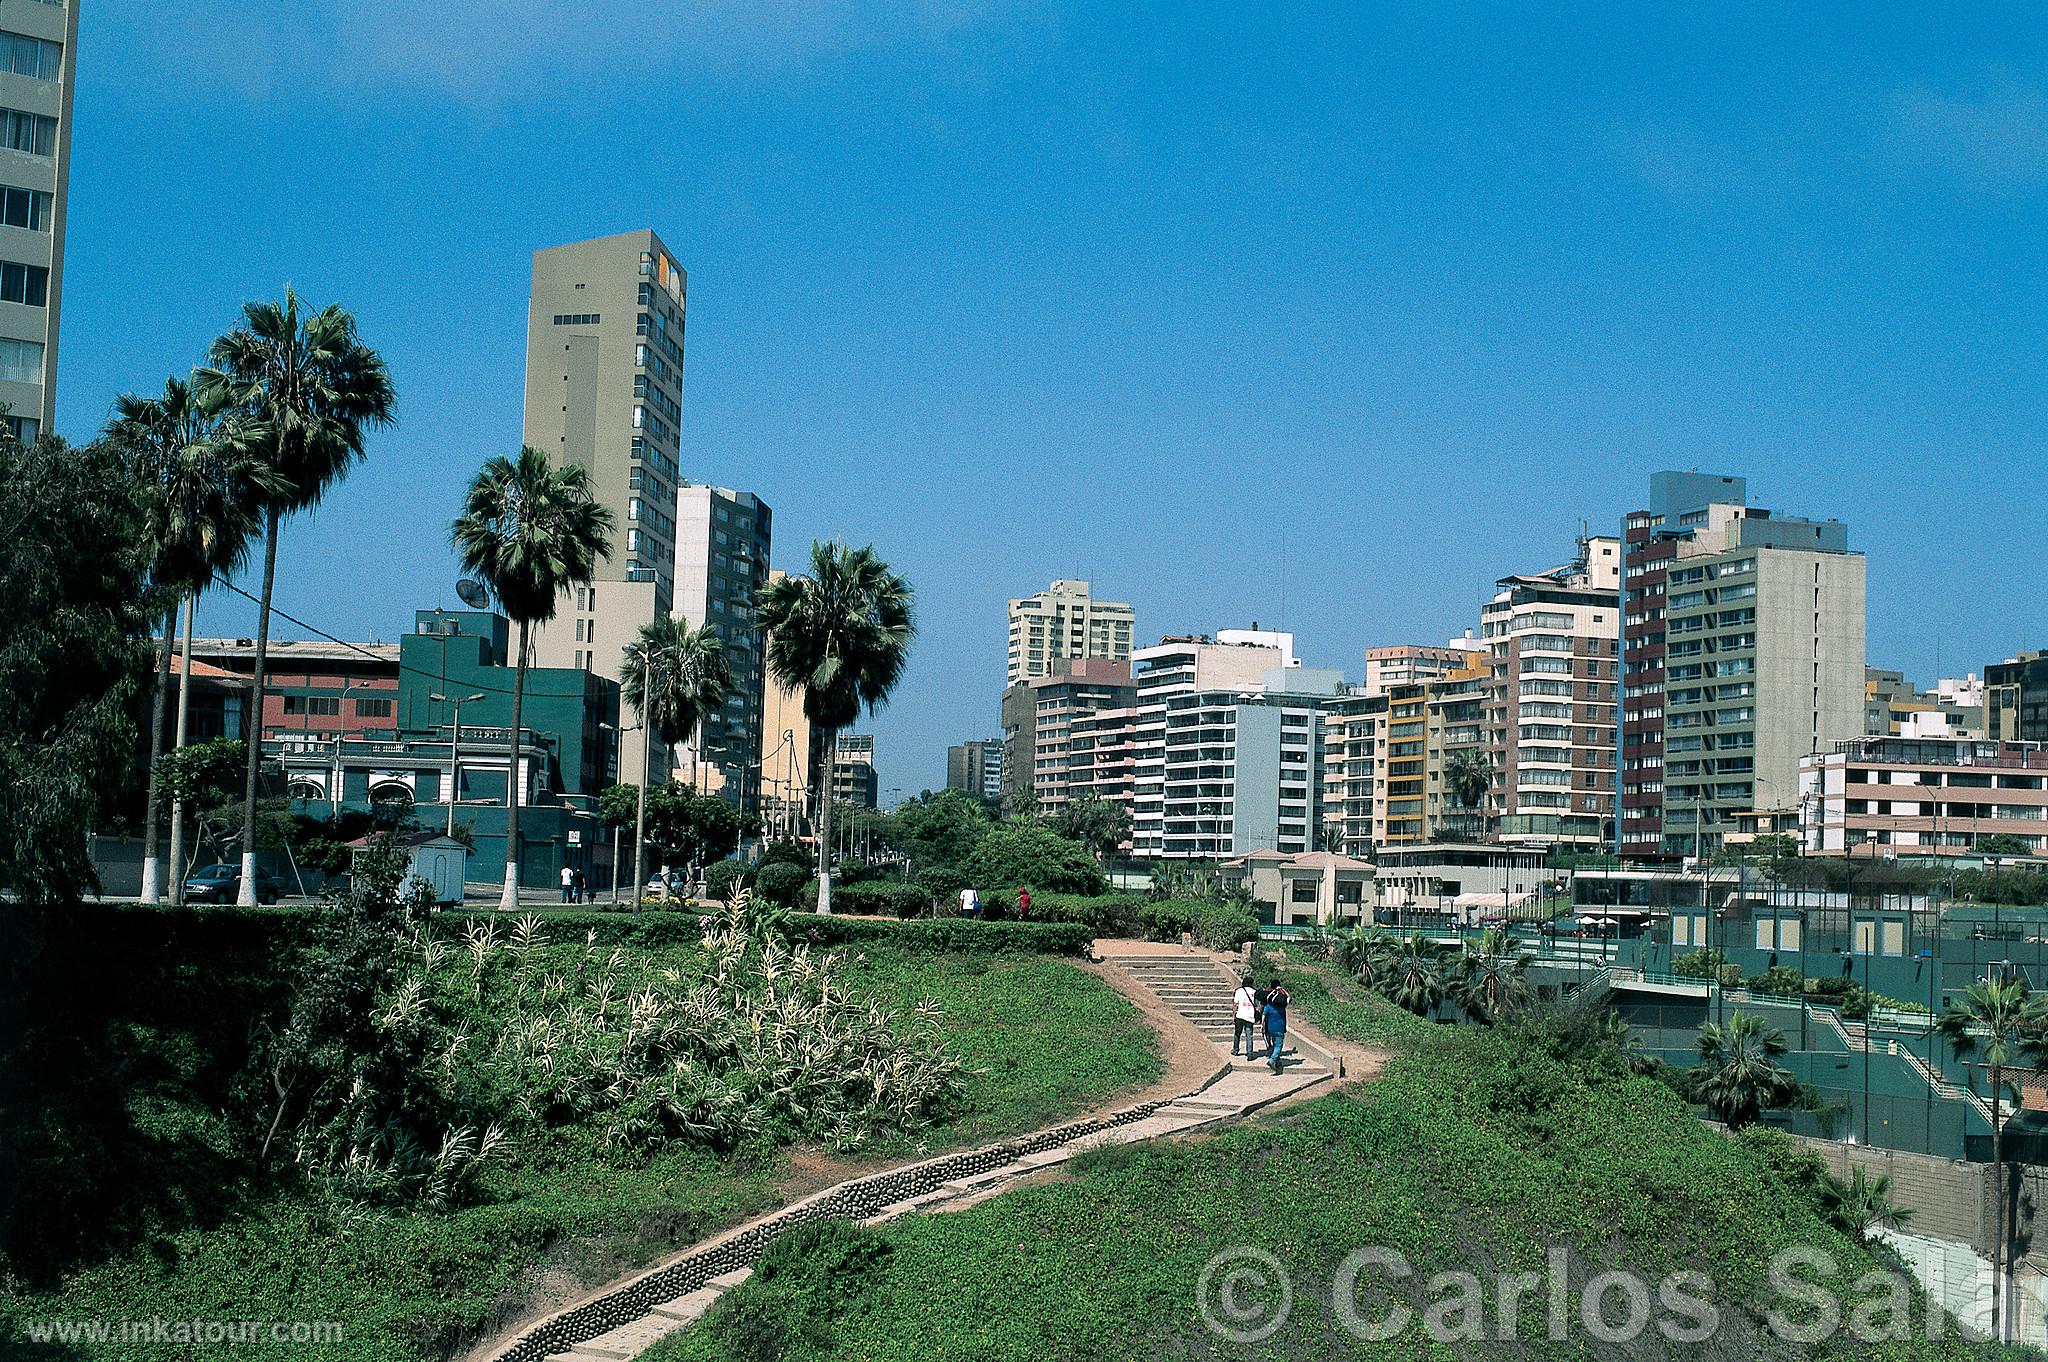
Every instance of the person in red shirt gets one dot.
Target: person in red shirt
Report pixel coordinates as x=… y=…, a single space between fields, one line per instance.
x=1023 y=903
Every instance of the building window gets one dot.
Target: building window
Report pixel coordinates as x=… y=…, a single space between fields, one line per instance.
x=28 y=208
x=327 y=705
x=21 y=361
x=373 y=709
x=36 y=58
x=577 y=319
x=33 y=133
x=28 y=284
x=24 y=429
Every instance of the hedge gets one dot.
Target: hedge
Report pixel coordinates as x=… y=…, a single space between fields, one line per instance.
x=945 y=934
x=1213 y=925
x=1104 y=914
x=889 y=898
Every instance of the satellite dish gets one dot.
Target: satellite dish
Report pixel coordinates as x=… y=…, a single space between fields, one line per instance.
x=473 y=594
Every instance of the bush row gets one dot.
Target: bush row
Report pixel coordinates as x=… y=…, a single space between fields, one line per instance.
x=653 y=930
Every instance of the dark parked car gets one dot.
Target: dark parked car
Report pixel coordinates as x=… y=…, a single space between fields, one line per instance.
x=222 y=883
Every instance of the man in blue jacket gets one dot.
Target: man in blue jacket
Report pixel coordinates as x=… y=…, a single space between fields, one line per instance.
x=1276 y=1023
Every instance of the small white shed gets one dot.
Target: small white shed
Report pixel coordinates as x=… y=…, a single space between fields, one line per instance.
x=439 y=862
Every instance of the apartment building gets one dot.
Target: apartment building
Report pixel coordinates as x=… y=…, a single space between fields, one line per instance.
x=1742 y=651
x=854 y=780
x=2016 y=698
x=1065 y=623
x=723 y=539
x=1228 y=746
x=604 y=391
x=1102 y=756
x=1884 y=796
x=976 y=767
x=38 y=57
x=1038 y=720
x=1400 y=664
x=1893 y=706
x=1455 y=730
x=1354 y=771
x=1551 y=716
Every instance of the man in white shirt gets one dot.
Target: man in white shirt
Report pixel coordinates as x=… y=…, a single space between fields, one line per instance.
x=568 y=883
x=970 y=903
x=1244 y=1019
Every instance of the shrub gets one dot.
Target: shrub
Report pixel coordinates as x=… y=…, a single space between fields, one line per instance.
x=781 y=882
x=791 y=853
x=1700 y=964
x=806 y=1279
x=1217 y=926
x=945 y=934
x=1779 y=980
x=942 y=883
x=1119 y=915
x=878 y=897
x=722 y=877
x=1027 y=854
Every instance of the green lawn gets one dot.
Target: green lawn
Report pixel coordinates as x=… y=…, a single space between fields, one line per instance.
x=1474 y=1150
x=1045 y=1038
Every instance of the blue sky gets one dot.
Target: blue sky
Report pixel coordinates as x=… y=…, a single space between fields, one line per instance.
x=1324 y=316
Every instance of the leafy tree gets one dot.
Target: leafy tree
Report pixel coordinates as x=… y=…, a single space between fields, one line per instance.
x=780 y=882
x=1098 y=824
x=1492 y=978
x=1035 y=857
x=296 y=393
x=942 y=829
x=674 y=675
x=2003 y=844
x=528 y=531
x=1864 y=1203
x=2008 y=1024
x=723 y=878
x=73 y=655
x=1739 y=1074
x=199 y=499
x=791 y=852
x=842 y=637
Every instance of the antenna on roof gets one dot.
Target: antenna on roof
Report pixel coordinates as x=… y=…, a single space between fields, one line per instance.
x=473 y=594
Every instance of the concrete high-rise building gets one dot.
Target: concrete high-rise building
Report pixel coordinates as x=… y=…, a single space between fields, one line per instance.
x=2016 y=698
x=1397 y=664
x=1065 y=623
x=1354 y=769
x=721 y=564
x=976 y=767
x=1038 y=720
x=1102 y=756
x=604 y=390
x=1554 y=644
x=1228 y=746
x=1742 y=651
x=854 y=780
x=38 y=54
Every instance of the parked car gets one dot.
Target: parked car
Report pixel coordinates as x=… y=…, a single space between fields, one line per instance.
x=222 y=883
x=676 y=887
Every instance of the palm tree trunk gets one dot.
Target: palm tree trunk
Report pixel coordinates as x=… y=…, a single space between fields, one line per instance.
x=823 y=830
x=177 y=866
x=252 y=719
x=151 y=879
x=510 y=899
x=1998 y=1248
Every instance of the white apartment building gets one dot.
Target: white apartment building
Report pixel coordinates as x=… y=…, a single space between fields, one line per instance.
x=1065 y=623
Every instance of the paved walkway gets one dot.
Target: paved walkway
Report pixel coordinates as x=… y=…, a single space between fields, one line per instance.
x=1196 y=984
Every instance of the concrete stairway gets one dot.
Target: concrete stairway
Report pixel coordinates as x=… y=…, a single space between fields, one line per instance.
x=1200 y=988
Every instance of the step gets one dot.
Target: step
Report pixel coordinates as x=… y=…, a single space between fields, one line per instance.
x=604 y=1351
x=689 y=1306
x=726 y=1281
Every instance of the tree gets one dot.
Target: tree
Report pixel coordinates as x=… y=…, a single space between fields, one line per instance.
x=1415 y=976
x=1739 y=1074
x=1032 y=856
x=841 y=636
x=1864 y=1203
x=528 y=531
x=73 y=653
x=1492 y=978
x=200 y=500
x=674 y=676
x=200 y=778
x=2003 y=844
x=1469 y=774
x=296 y=392
x=942 y=829
x=2001 y=1018
x=1367 y=955
x=1098 y=824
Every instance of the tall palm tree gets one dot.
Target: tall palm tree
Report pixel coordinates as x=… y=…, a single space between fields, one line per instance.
x=674 y=676
x=199 y=517
x=1739 y=1074
x=528 y=530
x=1415 y=977
x=2008 y=1024
x=298 y=390
x=1492 y=978
x=841 y=635
x=1470 y=775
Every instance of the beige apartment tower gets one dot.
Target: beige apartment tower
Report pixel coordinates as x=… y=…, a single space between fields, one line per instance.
x=1065 y=623
x=38 y=45
x=604 y=390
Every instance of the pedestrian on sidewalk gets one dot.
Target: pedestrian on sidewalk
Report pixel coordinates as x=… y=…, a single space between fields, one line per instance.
x=568 y=883
x=1244 y=1018
x=1276 y=1023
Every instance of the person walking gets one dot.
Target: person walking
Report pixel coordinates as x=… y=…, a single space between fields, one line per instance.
x=568 y=883
x=1244 y=1018
x=967 y=902
x=1276 y=1023
x=582 y=887
x=1023 y=904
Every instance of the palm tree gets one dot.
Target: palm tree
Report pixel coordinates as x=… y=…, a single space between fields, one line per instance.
x=297 y=390
x=1739 y=1074
x=674 y=676
x=1470 y=775
x=1492 y=978
x=1366 y=955
x=198 y=520
x=841 y=635
x=1864 y=1203
x=1415 y=978
x=528 y=531
x=2001 y=1017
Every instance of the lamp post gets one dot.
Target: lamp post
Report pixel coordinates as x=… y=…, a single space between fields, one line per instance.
x=640 y=814
x=455 y=747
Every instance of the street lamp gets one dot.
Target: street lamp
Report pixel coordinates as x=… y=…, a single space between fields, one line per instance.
x=455 y=747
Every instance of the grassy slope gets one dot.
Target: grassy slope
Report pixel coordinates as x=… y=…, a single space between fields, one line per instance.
x=1051 y=1039
x=1468 y=1152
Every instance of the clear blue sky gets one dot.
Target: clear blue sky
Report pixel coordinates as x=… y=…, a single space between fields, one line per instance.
x=1324 y=316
